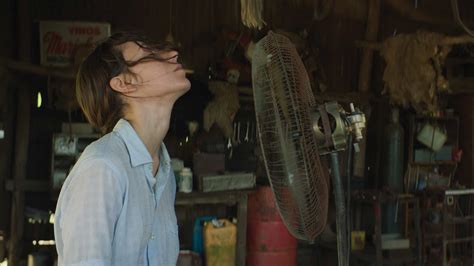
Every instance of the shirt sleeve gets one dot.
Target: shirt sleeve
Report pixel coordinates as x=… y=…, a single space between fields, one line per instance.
x=90 y=207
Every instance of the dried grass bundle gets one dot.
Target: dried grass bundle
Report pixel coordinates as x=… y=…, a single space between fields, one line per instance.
x=413 y=74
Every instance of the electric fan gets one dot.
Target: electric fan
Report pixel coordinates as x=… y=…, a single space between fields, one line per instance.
x=293 y=133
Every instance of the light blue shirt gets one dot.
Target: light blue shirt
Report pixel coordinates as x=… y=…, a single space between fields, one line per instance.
x=112 y=210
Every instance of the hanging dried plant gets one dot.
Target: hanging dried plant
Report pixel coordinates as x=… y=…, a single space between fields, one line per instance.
x=413 y=74
x=251 y=13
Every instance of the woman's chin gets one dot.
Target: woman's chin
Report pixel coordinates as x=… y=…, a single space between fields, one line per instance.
x=186 y=86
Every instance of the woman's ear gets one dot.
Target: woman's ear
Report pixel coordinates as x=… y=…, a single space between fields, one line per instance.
x=119 y=84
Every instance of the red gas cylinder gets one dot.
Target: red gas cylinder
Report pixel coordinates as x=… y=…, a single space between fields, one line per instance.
x=268 y=240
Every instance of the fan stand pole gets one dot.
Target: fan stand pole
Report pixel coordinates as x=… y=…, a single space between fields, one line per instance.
x=341 y=222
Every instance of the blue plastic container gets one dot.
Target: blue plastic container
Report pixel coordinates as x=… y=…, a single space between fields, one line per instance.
x=198 y=243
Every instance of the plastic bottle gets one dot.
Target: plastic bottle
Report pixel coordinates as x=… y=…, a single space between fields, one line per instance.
x=186 y=180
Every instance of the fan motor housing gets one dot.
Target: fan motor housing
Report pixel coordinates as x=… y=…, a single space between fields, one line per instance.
x=337 y=140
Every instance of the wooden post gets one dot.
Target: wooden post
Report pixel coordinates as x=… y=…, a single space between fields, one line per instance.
x=365 y=75
x=23 y=30
x=240 y=256
x=22 y=131
x=6 y=146
x=445 y=232
x=416 y=221
x=19 y=174
x=378 y=232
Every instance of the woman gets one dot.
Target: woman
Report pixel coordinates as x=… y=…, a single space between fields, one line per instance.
x=116 y=207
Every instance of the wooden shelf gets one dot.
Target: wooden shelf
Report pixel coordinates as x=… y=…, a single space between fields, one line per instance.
x=434 y=163
x=25 y=67
x=221 y=197
x=347 y=97
x=441 y=118
x=29 y=185
x=369 y=255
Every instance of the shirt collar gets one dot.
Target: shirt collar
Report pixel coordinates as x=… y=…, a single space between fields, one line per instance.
x=139 y=155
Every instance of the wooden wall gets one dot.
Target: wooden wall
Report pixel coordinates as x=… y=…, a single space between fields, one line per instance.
x=195 y=24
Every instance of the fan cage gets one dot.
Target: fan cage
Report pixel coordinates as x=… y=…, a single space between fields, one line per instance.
x=283 y=104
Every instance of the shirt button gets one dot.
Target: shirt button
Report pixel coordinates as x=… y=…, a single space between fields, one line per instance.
x=152 y=237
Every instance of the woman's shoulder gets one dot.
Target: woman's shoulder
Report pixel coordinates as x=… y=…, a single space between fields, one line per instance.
x=109 y=144
x=107 y=150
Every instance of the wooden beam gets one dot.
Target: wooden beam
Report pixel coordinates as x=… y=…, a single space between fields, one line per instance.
x=365 y=77
x=373 y=21
x=19 y=175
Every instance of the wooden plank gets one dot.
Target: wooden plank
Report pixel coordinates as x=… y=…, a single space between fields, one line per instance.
x=19 y=174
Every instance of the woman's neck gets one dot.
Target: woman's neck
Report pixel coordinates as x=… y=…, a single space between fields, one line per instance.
x=151 y=122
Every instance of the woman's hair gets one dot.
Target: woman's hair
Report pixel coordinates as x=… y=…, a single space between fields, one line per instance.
x=102 y=105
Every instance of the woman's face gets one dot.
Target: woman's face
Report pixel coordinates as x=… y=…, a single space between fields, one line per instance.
x=155 y=78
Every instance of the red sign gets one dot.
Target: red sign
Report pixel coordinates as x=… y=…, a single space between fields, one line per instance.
x=59 y=40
